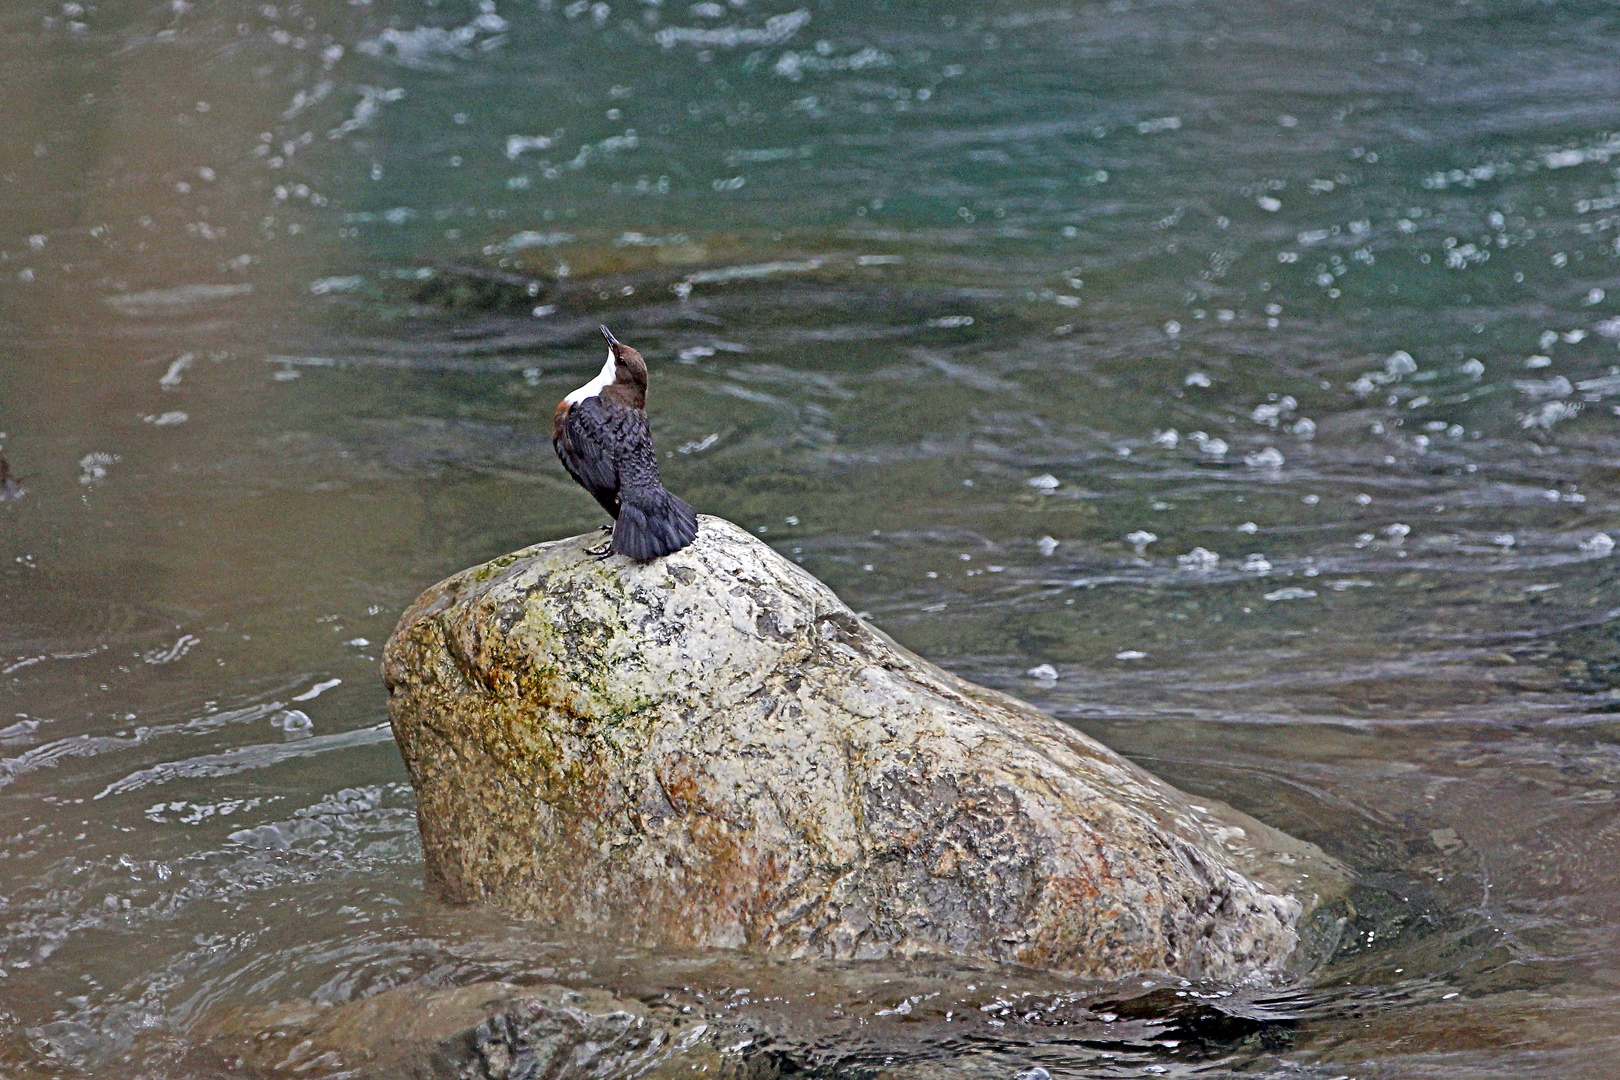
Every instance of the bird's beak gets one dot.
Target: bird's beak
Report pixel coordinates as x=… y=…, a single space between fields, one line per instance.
x=609 y=335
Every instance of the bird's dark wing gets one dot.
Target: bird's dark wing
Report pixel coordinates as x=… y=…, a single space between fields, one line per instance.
x=585 y=441
x=635 y=458
x=651 y=522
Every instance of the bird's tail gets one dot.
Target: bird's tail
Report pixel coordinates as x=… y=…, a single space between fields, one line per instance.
x=652 y=523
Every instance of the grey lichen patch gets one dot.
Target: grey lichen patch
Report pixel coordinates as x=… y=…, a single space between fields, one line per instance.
x=712 y=750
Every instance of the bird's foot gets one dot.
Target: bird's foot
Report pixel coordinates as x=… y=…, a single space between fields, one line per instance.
x=606 y=549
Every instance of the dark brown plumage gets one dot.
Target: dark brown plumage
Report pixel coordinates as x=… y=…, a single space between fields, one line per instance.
x=602 y=437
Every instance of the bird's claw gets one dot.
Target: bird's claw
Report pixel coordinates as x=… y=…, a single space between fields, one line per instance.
x=606 y=549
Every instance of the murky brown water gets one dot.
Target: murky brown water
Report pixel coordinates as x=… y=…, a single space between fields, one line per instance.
x=1238 y=383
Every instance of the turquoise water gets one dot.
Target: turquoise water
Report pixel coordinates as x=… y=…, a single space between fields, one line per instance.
x=1237 y=382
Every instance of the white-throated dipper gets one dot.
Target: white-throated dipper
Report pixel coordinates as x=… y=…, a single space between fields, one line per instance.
x=603 y=439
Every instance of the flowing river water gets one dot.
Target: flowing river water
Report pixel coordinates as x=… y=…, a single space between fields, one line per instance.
x=1239 y=382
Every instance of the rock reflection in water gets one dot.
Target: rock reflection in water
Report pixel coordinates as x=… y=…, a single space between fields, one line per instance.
x=718 y=1014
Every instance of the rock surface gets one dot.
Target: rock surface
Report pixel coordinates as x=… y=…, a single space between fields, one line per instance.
x=712 y=750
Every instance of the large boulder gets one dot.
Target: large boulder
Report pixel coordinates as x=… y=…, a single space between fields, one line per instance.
x=711 y=749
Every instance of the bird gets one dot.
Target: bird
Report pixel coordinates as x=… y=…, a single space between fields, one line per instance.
x=602 y=437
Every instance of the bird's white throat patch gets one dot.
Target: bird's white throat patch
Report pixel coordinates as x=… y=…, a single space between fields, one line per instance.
x=603 y=380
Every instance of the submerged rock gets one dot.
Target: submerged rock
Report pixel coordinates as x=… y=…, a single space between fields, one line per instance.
x=711 y=750
x=486 y=1031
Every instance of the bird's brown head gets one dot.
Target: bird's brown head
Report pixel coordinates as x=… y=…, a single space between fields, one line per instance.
x=630 y=374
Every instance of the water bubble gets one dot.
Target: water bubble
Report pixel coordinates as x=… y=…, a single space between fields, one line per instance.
x=319 y=688
x=1043 y=673
x=1535 y=389
x=1046 y=546
x=1196 y=378
x=347 y=283
x=1198 y=559
x=1549 y=414
x=1140 y=539
x=1291 y=593
x=1400 y=363
x=177 y=368
x=1130 y=654
x=1257 y=564
x=294 y=724
x=1538 y=361
x=1044 y=482
x=1248 y=527
x=94 y=466
x=1269 y=458
x=1167 y=439
x=1598 y=545
x=1268 y=204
